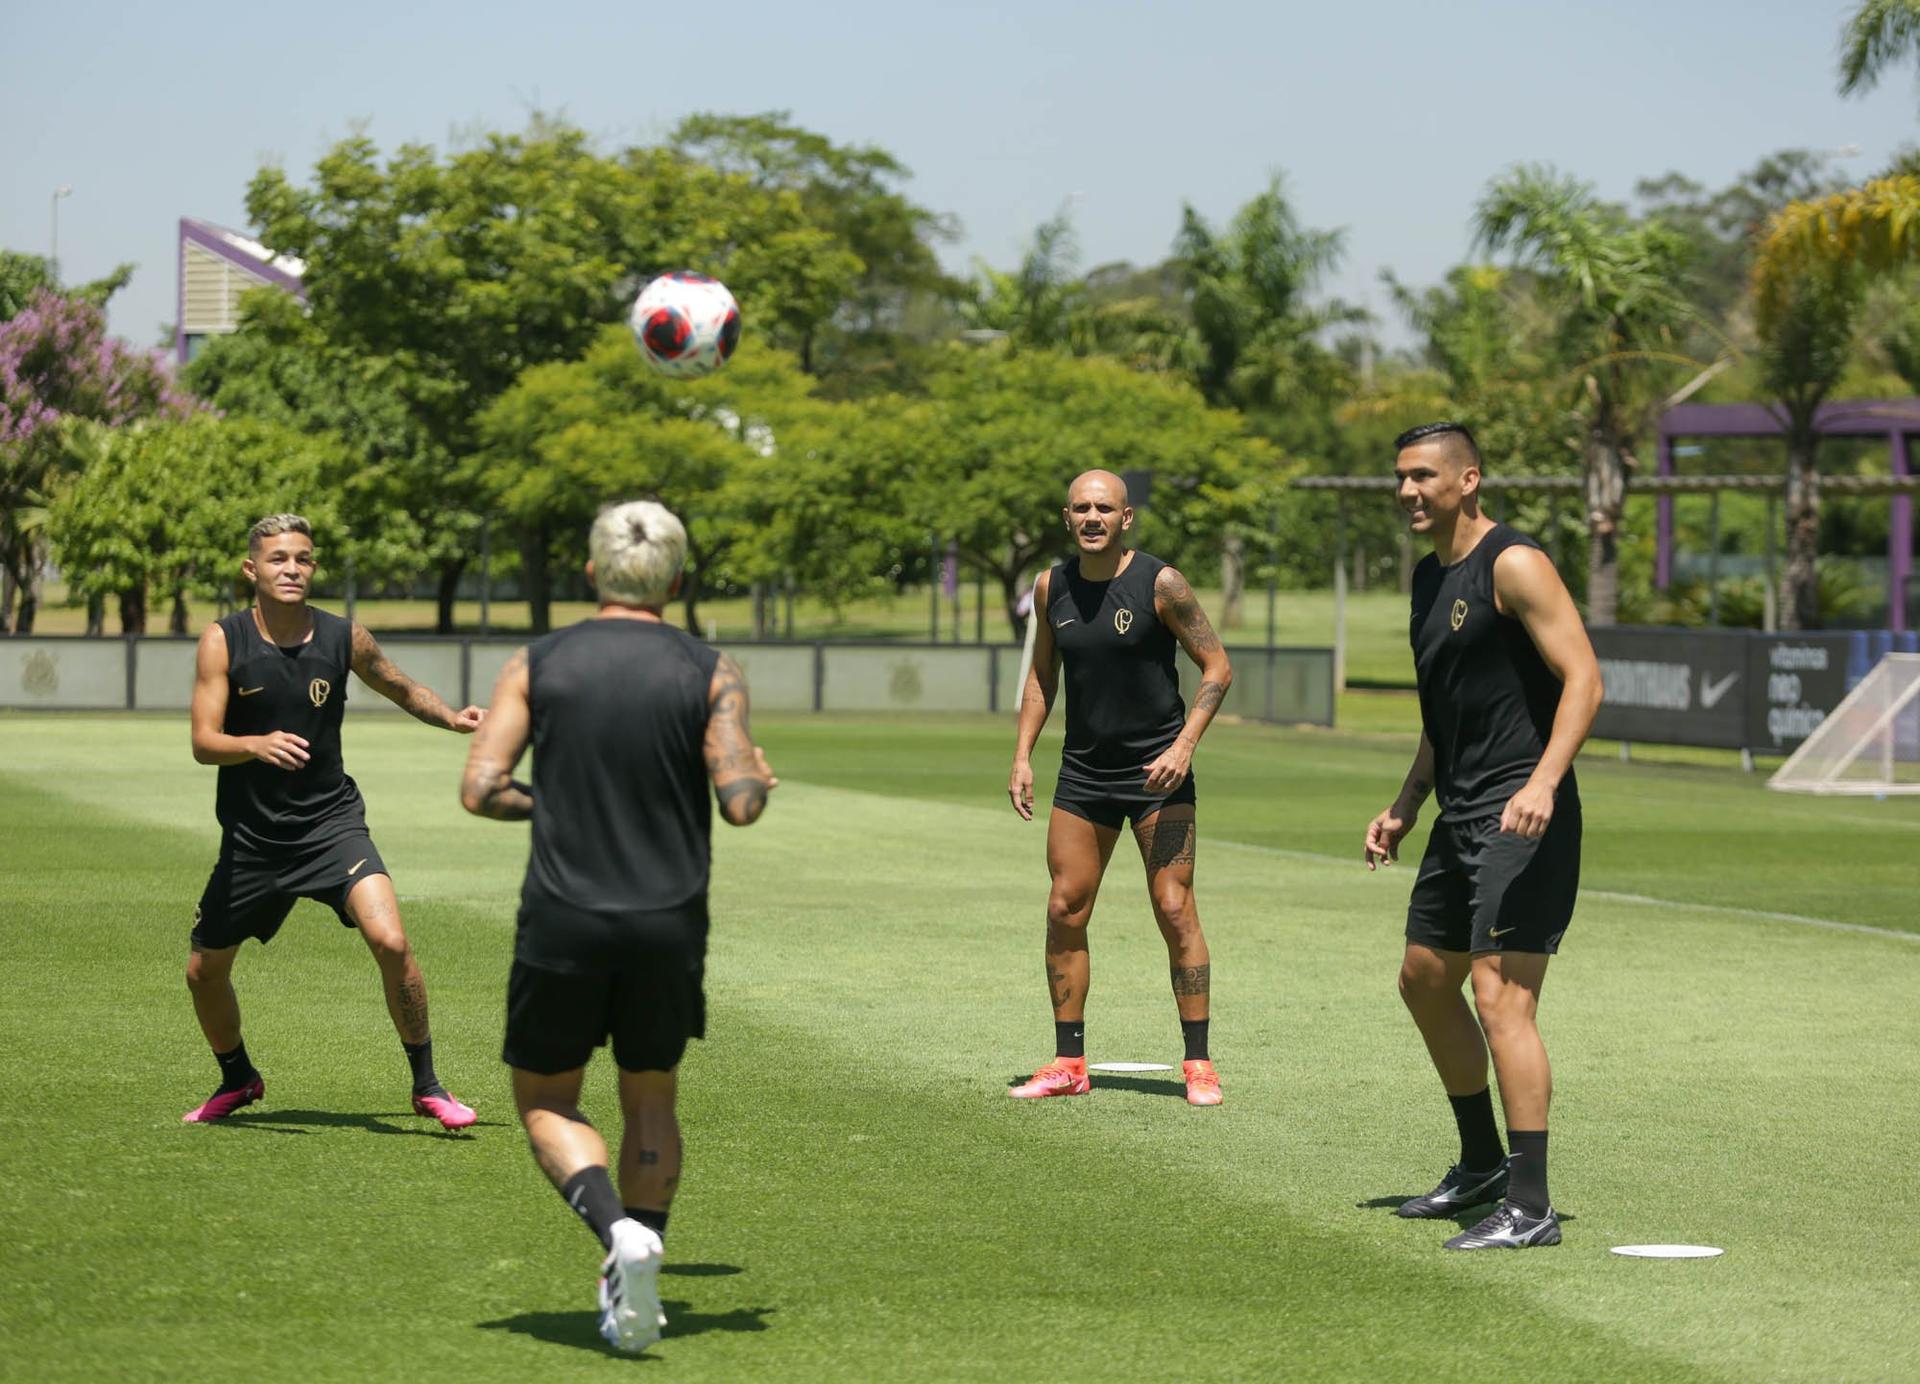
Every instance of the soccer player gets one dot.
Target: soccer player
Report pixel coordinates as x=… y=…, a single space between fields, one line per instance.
x=270 y=688
x=629 y=719
x=1113 y=617
x=1508 y=690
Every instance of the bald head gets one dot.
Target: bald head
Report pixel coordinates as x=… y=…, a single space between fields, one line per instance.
x=1086 y=481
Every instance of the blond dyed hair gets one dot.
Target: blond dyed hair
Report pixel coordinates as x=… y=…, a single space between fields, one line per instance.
x=273 y=526
x=638 y=549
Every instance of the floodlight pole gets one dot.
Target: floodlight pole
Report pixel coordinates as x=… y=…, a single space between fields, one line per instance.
x=53 y=246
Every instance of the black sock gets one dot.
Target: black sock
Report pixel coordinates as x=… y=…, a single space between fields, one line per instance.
x=1195 y=1032
x=1070 y=1039
x=590 y=1193
x=1527 y=1183
x=236 y=1068
x=420 y=1058
x=1479 y=1136
x=656 y=1221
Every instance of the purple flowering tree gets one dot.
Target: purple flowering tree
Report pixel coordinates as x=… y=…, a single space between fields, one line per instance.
x=57 y=363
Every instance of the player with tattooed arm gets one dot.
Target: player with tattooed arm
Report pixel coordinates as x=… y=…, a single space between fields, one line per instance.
x=269 y=692
x=1113 y=617
x=629 y=719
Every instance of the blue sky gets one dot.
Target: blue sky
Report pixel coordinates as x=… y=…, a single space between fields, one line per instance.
x=1387 y=119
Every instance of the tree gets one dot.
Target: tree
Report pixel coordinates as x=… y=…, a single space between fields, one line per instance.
x=22 y=276
x=163 y=507
x=852 y=192
x=1810 y=277
x=1880 y=35
x=990 y=452
x=1038 y=304
x=58 y=363
x=1616 y=289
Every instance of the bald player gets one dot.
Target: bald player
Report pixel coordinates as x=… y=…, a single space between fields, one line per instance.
x=1112 y=617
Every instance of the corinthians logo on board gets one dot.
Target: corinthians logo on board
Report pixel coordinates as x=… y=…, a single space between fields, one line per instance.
x=317 y=691
x=1123 y=620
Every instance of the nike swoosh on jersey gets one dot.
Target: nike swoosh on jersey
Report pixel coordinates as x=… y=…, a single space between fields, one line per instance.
x=1491 y=932
x=363 y=860
x=249 y=691
x=1064 y=623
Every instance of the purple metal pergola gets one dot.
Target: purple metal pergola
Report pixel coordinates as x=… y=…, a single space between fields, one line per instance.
x=1897 y=420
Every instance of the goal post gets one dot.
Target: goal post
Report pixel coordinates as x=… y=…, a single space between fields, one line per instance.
x=1870 y=743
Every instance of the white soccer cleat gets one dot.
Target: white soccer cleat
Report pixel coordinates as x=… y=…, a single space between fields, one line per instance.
x=630 y=1315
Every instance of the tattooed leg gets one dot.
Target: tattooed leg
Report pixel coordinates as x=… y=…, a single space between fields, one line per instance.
x=376 y=912
x=1167 y=841
x=651 y=1151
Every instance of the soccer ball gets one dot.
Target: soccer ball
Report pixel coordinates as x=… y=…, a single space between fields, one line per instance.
x=687 y=324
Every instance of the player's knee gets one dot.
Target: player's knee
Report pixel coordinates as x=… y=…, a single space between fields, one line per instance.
x=1502 y=1008
x=1067 y=913
x=389 y=947
x=1422 y=985
x=1173 y=909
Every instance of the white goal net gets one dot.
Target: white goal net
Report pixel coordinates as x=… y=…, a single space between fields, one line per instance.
x=1870 y=743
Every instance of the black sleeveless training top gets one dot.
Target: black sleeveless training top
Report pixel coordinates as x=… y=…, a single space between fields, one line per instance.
x=302 y=689
x=1487 y=697
x=1123 y=691
x=621 y=815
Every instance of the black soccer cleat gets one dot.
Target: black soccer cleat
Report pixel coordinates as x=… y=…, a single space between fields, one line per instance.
x=1459 y=1189
x=1510 y=1228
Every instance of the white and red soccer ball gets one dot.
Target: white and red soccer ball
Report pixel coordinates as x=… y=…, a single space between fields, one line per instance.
x=687 y=324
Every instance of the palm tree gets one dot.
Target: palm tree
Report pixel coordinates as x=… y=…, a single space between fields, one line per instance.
x=1881 y=34
x=1810 y=276
x=1617 y=287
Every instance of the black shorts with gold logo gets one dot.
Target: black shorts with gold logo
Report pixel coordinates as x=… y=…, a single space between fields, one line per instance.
x=250 y=893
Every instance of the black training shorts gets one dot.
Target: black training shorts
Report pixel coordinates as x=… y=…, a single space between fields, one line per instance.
x=250 y=894
x=580 y=978
x=1110 y=804
x=1481 y=889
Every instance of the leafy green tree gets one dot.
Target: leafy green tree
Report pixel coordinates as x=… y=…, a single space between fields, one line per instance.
x=992 y=448
x=22 y=275
x=1038 y=304
x=852 y=192
x=162 y=508
x=1617 y=289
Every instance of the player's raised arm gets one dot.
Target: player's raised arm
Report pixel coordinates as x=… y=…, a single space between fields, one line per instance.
x=211 y=743
x=1179 y=610
x=1527 y=586
x=737 y=766
x=1389 y=829
x=1036 y=702
x=418 y=700
x=487 y=787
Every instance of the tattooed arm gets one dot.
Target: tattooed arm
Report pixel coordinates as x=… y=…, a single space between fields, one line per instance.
x=488 y=788
x=737 y=766
x=383 y=675
x=1036 y=701
x=1385 y=832
x=1179 y=610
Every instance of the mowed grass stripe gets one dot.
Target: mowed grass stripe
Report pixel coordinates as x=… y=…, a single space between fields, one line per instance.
x=845 y=905
x=894 y=1229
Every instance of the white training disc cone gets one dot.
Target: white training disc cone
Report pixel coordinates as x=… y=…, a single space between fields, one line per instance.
x=1128 y=1067
x=1668 y=1251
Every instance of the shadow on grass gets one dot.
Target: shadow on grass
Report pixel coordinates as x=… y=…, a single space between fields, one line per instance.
x=582 y=1329
x=703 y=1270
x=1145 y=1085
x=296 y=1122
x=1466 y=1218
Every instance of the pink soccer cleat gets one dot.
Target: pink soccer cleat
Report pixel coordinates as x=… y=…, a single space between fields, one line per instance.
x=221 y=1104
x=444 y=1108
x=1064 y=1076
x=1203 y=1083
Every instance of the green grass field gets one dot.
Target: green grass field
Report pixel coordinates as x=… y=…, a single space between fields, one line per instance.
x=861 y=1199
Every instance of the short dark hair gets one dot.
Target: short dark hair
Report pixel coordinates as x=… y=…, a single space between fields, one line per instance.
x=1427 y=432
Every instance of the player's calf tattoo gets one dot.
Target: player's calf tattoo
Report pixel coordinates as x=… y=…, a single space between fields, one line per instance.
x=1058 y=986
x=413 y=1009
x=1191 y=980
